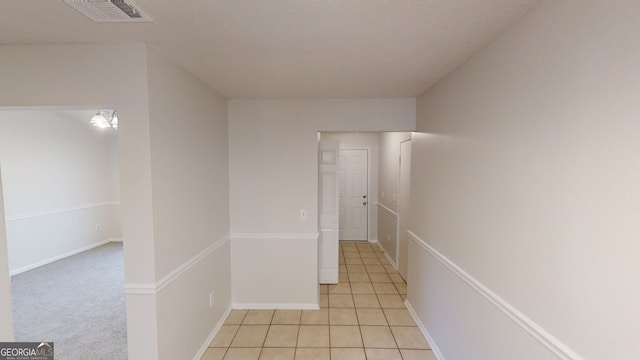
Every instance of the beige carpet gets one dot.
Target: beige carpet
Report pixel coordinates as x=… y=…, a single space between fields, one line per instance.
x=78 y=303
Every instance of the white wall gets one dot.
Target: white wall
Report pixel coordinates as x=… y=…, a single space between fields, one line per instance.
x=6 y=317
x=65 y=75
x=57 y=75
x=190 y=182
x=58 y=185
x=274 y=174
x=275 y=271
x=161 y=259
x=388 y=191
x=369 y=141
x=525 y=192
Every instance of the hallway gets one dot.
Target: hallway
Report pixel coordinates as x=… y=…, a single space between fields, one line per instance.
x=362 y=317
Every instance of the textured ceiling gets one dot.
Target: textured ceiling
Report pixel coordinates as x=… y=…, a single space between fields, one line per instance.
x=289 y=48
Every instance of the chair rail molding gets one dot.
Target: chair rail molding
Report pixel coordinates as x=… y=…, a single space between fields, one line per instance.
x=157 y=287
x=560 y=350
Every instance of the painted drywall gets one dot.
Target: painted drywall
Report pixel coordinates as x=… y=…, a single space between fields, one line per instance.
x=260 y=281
x=371 y=142
x=6 y=317
x=273 y=154
x=65 y=75
x=185 y=315
x=190 y=182
x=525 y=177
x=273 y=169
x=189 y=163
x=388 y=190
x=56 y=75
x=59 y=195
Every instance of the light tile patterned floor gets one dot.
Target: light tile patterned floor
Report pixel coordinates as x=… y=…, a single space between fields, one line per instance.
x=362 y=317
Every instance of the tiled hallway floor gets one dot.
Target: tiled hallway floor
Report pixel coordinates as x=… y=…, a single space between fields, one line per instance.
x=362 y=317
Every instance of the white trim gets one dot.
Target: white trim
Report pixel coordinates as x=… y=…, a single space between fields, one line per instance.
x=57 y=257
x=115 y=240
x=560 y=350
x=308 y=236
x=434 y=348
x=386 y=254
x=168 y=279
x=60 y=211
x=276 y=306
x=328 y=274
x=399 y=204
x=385 y=208
x=153 y=289
x=213 y=334
x=139 y=289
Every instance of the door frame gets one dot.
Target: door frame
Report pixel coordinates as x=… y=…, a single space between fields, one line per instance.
x=399 y=208
x=368 y=149
x=6 y=308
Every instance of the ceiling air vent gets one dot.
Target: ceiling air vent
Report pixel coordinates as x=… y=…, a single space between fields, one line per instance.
x=109 y=10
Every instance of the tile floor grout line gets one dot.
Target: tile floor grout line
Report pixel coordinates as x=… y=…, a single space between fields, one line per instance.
x=391 y=275
x=235 y=334
x=358 y=317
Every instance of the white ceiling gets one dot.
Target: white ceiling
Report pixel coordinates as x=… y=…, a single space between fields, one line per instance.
x=289 y=48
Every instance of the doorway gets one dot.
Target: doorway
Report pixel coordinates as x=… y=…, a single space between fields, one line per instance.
x=354 y=194
x=61 y=200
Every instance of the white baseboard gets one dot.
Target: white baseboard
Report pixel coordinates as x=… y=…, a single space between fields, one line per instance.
x=116 y=240
x=373 y=241
x=277 y=306
x=386 y=254
x=57 y=257
x=423 y=329
x=328 y=274
x=214 y=332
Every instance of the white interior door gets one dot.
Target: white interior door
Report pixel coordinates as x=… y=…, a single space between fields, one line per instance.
x=328 y=212
x=354 y=201
x=403 y=207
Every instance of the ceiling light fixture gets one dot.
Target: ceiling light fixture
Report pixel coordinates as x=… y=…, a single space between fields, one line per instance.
x=104 y=119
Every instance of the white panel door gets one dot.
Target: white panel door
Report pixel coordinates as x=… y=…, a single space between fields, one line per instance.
x=403 y=207
x=328 y=213
x=354 y=202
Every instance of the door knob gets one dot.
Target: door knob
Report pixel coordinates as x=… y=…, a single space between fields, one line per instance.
x=364 y=196
x=364 y=203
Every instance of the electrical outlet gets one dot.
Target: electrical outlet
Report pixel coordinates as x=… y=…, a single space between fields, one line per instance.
x=211 y=298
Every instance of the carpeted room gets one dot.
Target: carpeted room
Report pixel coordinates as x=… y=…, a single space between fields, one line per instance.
x=60 y=187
